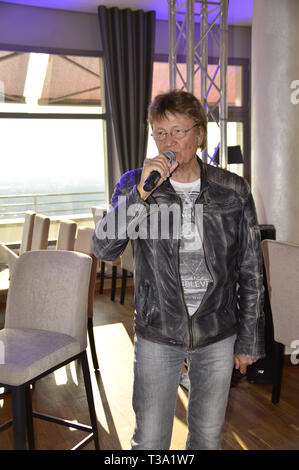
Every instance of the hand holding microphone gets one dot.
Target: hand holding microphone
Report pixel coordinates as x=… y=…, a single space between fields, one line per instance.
x=155 y=171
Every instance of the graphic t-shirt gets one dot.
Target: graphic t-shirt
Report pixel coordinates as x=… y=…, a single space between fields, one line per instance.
x=195 y=275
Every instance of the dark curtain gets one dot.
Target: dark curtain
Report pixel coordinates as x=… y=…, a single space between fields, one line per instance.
x=128 y=50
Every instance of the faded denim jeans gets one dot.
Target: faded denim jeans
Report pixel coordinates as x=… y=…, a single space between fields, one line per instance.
x=157 y=372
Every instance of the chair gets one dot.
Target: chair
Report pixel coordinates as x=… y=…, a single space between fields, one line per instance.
x=66 y=235
x=127 y=265
x=282 y=271
x=40 y=233
x=98 y=213
x=8 y=256
x=27 y=232
x=45 y=329
x=84 y=244
x=39 y=240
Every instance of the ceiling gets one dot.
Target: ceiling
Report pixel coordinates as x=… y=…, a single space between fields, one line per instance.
x=239 y=11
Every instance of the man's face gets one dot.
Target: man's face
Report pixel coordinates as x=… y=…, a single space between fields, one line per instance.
x=185 y=148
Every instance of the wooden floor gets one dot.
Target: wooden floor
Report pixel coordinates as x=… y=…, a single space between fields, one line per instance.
x=252 y=422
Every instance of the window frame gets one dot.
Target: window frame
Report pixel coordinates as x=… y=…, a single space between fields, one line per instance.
x=68 y=52
x=102 y=116
x=234 y=113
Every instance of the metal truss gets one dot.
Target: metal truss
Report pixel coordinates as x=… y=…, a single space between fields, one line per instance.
x=212 y=16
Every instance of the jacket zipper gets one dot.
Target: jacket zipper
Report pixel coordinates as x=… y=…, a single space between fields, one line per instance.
x=207 y=261
x=190 y=318
x=181 y=287
x=145 y=314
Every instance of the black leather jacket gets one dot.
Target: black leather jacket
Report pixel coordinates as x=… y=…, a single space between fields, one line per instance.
x=233 y=302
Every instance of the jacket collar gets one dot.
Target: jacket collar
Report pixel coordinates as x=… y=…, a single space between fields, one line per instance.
x=167 y=189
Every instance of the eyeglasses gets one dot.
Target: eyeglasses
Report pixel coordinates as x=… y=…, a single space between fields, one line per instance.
x=176 y=133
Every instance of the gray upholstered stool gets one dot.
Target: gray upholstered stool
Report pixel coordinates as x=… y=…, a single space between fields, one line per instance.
x=45 y=329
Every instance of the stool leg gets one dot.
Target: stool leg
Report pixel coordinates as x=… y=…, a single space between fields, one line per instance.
x=92 y=344
x=114 y=270
x=102 y=277
x=90 y=400
x=278 y=354
x=29 y=418
x=19 y=417
x=123 y=285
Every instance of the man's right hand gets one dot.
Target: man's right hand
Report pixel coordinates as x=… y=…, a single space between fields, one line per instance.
x=161 y=164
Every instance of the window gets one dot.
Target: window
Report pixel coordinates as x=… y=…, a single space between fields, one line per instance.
x=234 y=137
x=238 y=129
x=234 y=80
x=51 y=146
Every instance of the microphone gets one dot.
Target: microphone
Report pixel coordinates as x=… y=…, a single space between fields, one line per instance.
x=154 y=176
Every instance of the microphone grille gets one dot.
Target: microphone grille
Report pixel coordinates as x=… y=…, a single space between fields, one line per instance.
x=170 y=155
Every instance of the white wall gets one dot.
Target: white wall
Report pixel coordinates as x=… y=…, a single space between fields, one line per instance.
x=275 y=119
x=38 y=28
x=239 y=41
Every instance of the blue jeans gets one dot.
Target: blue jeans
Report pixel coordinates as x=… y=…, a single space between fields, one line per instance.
x=157 y=372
